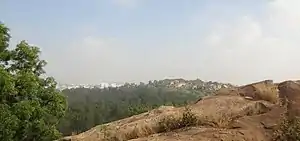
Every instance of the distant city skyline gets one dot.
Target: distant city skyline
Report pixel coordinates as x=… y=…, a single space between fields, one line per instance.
x=171 y=83
x=94 y=41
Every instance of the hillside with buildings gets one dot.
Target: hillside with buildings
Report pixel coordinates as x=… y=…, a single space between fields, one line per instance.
x=167 y=83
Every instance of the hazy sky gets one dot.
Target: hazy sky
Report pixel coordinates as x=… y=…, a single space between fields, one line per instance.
x=91 y=41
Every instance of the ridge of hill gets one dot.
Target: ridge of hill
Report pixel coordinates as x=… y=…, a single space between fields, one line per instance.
x=252 y=112
x=170 y=83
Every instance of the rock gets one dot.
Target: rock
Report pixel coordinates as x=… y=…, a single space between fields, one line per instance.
x=264 y=90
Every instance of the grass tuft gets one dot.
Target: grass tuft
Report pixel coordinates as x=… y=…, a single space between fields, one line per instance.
x=187 y=119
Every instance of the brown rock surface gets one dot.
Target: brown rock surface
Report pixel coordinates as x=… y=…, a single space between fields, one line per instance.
x=229 y=115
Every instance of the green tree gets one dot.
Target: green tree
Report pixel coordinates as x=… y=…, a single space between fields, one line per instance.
x=30 y=105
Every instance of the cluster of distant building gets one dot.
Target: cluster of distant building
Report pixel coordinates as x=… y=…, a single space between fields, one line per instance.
x=171 y=83
x=100 y=86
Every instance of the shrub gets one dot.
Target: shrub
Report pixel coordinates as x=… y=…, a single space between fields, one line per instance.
x=171 y=123
x=289 y=130
x=269 y=94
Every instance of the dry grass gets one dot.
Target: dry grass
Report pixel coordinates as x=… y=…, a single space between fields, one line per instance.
x=209 y=113
x=221 y=120
x=133 y=134
x=269 y=94
x=171 y=123
x=262 y=91
x=167 y=124
x=108 y=135
x=139 y=131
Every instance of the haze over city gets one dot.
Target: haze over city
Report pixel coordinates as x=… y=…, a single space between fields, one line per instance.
x=95 y=41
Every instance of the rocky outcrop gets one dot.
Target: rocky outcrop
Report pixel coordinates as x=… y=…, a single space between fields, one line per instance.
x=264 y=90
x=247 y=113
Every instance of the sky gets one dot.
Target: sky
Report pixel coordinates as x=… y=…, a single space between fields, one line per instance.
x=93 y=41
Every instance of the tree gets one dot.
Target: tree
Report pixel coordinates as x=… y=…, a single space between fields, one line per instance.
x=30 y=104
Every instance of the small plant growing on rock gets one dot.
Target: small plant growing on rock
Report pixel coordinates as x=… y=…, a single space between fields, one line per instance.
x=289 y=130
x=187 y=119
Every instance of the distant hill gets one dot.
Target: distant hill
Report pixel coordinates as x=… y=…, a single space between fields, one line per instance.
x=167 y=83
x=190 y=84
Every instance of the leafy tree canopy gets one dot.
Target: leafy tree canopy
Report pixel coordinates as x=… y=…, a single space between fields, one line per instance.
x=30 y=105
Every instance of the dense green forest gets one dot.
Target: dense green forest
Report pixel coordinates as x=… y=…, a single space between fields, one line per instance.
x=90 y=107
